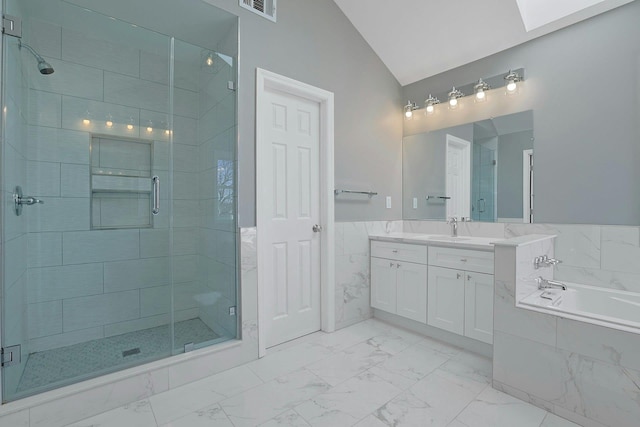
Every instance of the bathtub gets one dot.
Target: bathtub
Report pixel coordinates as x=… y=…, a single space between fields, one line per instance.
x=604 y=307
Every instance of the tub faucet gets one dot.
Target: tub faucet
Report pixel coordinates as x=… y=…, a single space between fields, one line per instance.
x=453 y=222
x=550 y=284
x=544 y=261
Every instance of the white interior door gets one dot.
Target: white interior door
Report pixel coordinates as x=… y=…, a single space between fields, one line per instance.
x=458 y=166
x=292 y=204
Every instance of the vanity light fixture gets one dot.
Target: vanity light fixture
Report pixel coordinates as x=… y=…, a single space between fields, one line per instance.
x=209 y=60
x=512 y=79
x=479 y=89
x=150 y=126
x=130 y=124
x=430 y=102
x=87 y=118
x=109 y=122
x=408 y=109
x=453 y=97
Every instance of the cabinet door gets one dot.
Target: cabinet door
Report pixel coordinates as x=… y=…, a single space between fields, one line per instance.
x=411 y=288
x=478 y=319
x=383 y=284
x=445 y=299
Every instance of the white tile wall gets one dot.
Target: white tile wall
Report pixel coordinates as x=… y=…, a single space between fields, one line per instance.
x=86 y=312
x=136 y=274
x=58 y=214
x=74 y=180
x=87 y=50
x=45 y=319
x=57 y=145
x=100 y=246
x=43 y=179
x=45 y=108
x=63 y=282
x=44 y=249
x=70 y=79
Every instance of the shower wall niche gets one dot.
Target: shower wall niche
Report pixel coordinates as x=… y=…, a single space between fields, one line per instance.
x=121 y=183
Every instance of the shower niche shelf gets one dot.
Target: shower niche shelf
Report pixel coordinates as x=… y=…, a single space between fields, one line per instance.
x=121 y=185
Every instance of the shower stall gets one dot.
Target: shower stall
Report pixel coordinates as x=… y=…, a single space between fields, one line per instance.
x=118 y=185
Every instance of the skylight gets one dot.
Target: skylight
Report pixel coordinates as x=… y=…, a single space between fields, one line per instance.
x=538 y=13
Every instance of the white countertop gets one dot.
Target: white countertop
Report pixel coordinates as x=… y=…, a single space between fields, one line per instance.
x=462 y=242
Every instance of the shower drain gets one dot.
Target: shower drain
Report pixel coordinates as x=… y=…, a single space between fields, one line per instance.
x=131 y=352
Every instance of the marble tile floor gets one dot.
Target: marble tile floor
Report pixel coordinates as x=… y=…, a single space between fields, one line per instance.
x=367 y=375
x=53 y=367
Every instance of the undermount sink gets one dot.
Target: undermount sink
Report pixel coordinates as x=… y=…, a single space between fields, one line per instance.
x=450 y=238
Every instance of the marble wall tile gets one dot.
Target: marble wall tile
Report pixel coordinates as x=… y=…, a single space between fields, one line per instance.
x=621 y=249
x=356 y=238
x=605 y=344
x=352 y=289
x=78 y=406
x=597 y=277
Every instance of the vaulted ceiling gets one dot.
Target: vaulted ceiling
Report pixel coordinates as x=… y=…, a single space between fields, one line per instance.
x=417 y=39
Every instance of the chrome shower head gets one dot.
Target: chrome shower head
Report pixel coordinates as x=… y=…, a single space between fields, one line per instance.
x=43 y=66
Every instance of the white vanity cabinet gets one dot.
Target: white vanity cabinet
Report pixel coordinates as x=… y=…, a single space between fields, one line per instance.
x=460 y=292
x=399 y=279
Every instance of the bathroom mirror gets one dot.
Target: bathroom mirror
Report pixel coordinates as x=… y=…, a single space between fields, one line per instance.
x=479 y=171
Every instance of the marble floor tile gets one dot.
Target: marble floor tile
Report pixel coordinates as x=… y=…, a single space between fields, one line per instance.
x=288 y=360
x=211 y=416
x=271 y=399
x=367 y=375
x=287 y=419
x=348 y=363
x=181 y=401
x=496 y=409
x=137 y=414
x=349 y=402
x=552 y=420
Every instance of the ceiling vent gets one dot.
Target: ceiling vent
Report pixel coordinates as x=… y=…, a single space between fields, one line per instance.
x=264 y=8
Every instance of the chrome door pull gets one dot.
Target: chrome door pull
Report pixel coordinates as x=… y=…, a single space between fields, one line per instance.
x=317 y=228
x=156 y=195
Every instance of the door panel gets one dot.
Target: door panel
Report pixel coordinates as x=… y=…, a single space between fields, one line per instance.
x=446 y=299
x=412 y=291
x=292 y=130
x=383 y=284
x=479 y=307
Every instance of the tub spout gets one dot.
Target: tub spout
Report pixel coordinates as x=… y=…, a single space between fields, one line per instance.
x=550 y=284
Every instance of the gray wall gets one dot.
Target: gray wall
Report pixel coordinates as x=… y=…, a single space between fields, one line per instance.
x=584 y=88
x=510 y=149
x=315 y=43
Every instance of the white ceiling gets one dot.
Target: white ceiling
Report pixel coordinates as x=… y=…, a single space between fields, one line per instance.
x=417 y=39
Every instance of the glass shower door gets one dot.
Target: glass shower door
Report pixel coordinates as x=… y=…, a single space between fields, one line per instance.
x=86 y=177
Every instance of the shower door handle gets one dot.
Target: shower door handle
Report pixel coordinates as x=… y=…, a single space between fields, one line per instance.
x=156 y=195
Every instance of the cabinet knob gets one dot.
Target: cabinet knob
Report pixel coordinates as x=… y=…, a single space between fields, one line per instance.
x=395 y=251
x=458 y=275
x=390 y=264
x=463 y=260
x=398 y=265
x=468 y=277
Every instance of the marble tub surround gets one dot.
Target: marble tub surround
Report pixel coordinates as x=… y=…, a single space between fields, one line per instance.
x=583 y=372
x=391 y=377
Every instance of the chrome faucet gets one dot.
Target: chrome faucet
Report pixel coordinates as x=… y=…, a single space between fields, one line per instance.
x=453 y=222
x=544 y=261
x=550 y=284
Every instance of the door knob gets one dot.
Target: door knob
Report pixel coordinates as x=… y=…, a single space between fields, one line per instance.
x=317 y=228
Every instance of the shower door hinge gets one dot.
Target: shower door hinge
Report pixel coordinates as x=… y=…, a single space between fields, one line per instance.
x=232 y=311
x=231 y=85
x=12 y=26
x=10 y=355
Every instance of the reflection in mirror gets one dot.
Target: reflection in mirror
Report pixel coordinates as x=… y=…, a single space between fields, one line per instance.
x=480 y=171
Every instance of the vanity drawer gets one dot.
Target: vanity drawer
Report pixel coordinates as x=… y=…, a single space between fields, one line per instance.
x=399 y=251
x=461 y=259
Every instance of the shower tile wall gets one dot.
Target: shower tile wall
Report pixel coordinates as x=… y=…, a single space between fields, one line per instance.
x=14 y=236
x=85 y=284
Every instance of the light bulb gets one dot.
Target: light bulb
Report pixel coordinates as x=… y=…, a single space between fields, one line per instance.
x=149 y=129
x=511 y=86
x=453 y=102
x=480 y=94
x=209 y=60
x=408 y=114
x=86 y=122
x=430 y=109
x=109 y=123
x=130 y=126
x=167 y=132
